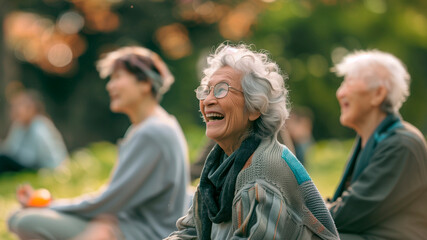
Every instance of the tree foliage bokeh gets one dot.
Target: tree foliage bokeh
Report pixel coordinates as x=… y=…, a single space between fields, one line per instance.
x=52 y=46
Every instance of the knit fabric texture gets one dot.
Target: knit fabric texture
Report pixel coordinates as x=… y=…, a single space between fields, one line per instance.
x=217 y=193
x=294 y=183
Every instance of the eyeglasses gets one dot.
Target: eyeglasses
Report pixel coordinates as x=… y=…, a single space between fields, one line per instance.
x=220 y=90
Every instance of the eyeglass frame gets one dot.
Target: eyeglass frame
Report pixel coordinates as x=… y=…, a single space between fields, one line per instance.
x=213 y=87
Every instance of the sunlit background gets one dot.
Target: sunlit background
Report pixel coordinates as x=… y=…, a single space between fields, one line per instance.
x=52 y=46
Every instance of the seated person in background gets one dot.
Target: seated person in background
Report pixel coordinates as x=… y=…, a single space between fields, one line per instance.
x=383 y=192
x=300 y=125
x=147 y=189
x=252 y=187
x=33 y=141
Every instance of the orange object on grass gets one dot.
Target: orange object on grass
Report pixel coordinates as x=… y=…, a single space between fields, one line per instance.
x=40 y=198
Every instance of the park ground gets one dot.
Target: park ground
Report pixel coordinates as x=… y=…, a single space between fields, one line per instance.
x=89 y=168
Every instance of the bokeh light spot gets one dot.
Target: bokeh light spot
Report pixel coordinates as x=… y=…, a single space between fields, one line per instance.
x=338 y=54
x=60 y=55
x=70 y=22
x=317 y=65
x=376 y=6
x=174 y=40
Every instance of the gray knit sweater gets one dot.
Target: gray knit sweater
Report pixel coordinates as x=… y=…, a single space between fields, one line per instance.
x=274 y=199
x=147 y=191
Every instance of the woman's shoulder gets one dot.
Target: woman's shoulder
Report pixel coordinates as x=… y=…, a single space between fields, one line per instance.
x=162 y=128
x=403 y=140
x=278 y=156
x=42 y=125
x=276 y=164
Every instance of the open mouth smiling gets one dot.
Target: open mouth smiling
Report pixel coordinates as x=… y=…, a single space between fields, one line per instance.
x=210 y=117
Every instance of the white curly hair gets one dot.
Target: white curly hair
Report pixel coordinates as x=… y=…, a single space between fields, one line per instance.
x=262 y=83
x=378 y=68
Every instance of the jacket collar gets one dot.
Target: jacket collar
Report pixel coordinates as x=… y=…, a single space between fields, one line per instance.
x=355 y=168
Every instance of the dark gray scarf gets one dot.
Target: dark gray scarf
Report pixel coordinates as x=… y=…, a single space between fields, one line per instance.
x=218 y=182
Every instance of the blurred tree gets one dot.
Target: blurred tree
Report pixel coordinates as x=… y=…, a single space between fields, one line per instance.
x=9 y=71
x=309 y=37
x=52 y=45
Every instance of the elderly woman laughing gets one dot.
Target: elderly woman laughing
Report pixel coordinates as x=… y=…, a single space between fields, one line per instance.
x=251 y=186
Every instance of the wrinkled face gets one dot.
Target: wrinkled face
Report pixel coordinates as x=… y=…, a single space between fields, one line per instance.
x=23 y=109
x=226 y=118
x=355 y=99
x=126 y=92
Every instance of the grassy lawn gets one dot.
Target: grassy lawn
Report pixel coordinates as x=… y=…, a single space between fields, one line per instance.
x=326 y=162
x=89 y=168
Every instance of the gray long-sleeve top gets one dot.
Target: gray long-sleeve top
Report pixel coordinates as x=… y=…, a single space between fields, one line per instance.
x=147 y=191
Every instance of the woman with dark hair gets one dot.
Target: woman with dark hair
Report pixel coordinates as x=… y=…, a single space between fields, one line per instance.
x=147 y=190
x=33 y=141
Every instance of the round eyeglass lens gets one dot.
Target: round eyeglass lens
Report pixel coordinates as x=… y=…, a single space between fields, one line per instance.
x=221 y=90
x=202 y=92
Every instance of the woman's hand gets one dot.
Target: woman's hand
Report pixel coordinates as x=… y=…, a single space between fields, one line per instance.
x=28 y=197
x=23 y=194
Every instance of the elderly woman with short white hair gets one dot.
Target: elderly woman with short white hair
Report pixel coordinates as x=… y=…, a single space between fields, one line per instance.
x=382 y=194
x=251 y=186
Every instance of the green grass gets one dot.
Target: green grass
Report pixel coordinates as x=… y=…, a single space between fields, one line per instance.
x=89 y=168
x=86 y=171
x=326 y=160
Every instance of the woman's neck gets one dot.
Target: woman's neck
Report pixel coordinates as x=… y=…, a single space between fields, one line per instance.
x=371 y=122
x=231 y=145
x=143 y=110
x=229 y=148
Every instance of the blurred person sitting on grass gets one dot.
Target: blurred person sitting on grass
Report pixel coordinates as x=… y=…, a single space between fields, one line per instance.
x=251 y=185
x=33 y=141
x=300 y=125
x=383 y=192
x=147 y=189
